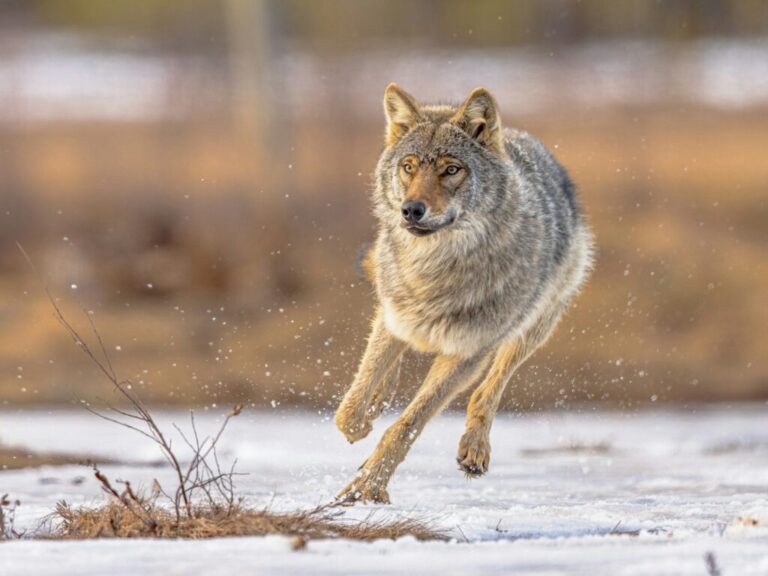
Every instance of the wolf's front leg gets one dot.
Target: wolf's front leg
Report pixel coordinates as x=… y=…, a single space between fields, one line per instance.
x=363 y=401
x=475 y=447
x=448 y=376
x=384 y=394
x=474 y=453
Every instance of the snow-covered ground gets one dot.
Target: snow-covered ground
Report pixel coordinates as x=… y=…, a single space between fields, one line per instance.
x=568 y=493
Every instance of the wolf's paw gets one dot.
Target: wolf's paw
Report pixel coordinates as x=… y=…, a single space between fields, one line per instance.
x=354 y=424
x=360 y=490
x=474 y=453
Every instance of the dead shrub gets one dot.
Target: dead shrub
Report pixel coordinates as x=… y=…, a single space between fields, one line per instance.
x=203 y=502
x=202 y=478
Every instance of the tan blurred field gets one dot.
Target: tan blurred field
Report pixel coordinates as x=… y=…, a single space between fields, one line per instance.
x=216 y=275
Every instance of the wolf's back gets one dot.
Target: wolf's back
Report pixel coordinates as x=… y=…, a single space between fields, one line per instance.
x=550 y=185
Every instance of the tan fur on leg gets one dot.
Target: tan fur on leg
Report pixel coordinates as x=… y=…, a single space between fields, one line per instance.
x=359 y=408
x=384 y=394
x=475 y=447
x=448 y=376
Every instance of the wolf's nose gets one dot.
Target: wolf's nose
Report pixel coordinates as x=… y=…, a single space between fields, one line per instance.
x=413 y=211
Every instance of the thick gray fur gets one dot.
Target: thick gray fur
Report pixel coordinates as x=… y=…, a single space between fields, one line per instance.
x=498 y=256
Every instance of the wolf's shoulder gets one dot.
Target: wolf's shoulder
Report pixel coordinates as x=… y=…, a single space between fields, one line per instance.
x=539 y=165
x=525 y=149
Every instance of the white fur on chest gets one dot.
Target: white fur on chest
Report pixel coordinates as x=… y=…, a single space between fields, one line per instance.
x=440 y=339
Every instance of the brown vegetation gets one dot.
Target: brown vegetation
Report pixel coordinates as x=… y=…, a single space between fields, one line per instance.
x=113 y=520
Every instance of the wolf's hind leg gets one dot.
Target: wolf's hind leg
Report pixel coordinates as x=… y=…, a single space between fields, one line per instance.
x=475 y=447
x=354 y=415
x=448 y=376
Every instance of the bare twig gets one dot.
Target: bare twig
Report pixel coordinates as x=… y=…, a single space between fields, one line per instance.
x=462 y=534
x=198 y=477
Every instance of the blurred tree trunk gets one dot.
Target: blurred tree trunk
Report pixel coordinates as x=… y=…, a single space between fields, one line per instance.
x=251 y=32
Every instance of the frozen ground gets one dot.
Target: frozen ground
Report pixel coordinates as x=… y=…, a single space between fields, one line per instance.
x=568 y=493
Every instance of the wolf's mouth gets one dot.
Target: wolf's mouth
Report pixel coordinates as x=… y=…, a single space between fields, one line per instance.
x=417 y=230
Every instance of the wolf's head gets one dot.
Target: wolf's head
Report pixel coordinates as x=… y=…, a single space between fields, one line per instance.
x=442 y=165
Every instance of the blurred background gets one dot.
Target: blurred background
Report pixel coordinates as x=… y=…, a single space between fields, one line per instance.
x=195 y=175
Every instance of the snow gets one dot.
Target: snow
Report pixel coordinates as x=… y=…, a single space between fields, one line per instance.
x=568 y=493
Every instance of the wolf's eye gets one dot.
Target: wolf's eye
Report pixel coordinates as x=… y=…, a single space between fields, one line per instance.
x=452 y=170
x=408 y=168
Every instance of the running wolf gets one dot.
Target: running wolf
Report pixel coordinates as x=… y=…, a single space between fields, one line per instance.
x=481 y=246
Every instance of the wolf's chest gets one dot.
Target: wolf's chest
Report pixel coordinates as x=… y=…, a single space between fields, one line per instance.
x=420 y=332
x=403 y=327
x=443 y=321
x=441 y=302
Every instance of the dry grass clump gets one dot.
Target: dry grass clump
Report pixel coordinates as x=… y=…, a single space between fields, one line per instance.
x=115 y=520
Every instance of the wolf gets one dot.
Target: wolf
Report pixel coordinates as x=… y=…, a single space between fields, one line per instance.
x=481 y=246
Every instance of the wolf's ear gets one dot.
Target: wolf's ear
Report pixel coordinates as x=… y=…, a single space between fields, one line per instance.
x=402 y=113
x=479 y=117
